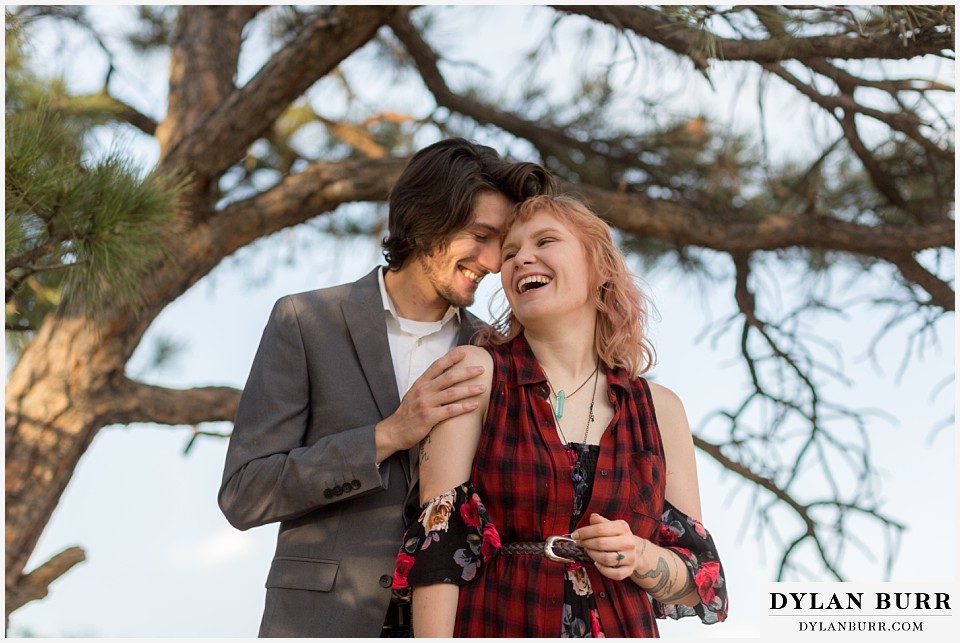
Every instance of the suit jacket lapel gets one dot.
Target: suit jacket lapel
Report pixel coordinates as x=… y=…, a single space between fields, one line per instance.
x=470 y=325
x=366 y=323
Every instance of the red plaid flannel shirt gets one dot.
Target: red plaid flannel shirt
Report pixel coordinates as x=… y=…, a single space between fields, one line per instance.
x=522 y=474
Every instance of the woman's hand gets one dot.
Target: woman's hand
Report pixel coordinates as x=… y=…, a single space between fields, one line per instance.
x=619 y=554
x=611 y=545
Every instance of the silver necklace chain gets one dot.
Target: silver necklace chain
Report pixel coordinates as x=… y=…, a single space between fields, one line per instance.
x=590 y=417
x=567 y=396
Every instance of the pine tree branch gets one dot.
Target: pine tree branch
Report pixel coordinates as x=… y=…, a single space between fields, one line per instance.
x=941 y=293
x=681 y=38
x=906 y=120
x=550 y=142
x=204 y=53
x=36 y=584
x=244 y=13
x=219 y=140
x=882 y=181
x=684 y=225
x=102 y=106
x=745 y=472
x=129 y=402
x=903 y=121
x=427 y=62
x=319 y=188
x=892 y=86
x=25 y=261
x=17 y=277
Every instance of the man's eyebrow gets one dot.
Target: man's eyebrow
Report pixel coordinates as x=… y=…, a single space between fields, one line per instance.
x=485 y=226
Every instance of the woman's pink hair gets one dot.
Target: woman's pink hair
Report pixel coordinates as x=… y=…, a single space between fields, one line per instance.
x=622 y=321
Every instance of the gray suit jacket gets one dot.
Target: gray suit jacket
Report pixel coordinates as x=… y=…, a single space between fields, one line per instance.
x=302 y=453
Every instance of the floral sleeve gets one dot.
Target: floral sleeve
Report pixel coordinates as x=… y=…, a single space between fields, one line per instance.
x=689 y=539
x=449 y=543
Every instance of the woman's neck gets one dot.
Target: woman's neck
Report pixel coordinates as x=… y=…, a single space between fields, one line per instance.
x=565 y=354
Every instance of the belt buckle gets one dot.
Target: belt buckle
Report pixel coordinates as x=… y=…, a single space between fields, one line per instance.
x=548 y=549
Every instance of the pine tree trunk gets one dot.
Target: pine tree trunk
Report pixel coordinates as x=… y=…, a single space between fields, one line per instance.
x=57 y=398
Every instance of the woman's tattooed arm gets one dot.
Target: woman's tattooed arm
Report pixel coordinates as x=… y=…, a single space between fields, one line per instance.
x=668 y=580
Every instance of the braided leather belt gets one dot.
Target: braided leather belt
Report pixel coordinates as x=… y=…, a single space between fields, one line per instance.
x=561 y=549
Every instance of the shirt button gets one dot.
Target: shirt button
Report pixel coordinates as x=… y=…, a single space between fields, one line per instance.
x=385 y=581
x=603 y=594
x=603 y=472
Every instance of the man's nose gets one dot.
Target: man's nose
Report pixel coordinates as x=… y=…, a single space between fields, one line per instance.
x=489 y=258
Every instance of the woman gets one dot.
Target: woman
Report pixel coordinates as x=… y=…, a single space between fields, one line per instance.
x=571 y=493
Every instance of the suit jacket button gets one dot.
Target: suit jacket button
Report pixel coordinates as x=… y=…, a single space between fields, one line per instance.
x=356 y=484
x=347 y=488
x=385 y=581
x=337 y=490
x=328 y=493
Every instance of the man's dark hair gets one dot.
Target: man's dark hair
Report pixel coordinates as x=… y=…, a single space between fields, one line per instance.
x=434 y=196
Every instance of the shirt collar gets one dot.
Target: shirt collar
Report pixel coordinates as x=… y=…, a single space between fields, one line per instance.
x=390 y=308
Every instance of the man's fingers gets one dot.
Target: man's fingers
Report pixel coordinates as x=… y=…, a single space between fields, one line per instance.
x=443 y=363
x=456 y=393
x=457 y=408
x=455 y=376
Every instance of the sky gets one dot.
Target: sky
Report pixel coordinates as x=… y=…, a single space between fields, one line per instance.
x=163 y=562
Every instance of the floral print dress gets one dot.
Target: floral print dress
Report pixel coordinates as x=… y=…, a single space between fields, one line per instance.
x=456 y=541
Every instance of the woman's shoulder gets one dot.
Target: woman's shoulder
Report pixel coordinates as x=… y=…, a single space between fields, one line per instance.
x=668 y=407
x=662 y=396
x=501 y=353
x=476 y=356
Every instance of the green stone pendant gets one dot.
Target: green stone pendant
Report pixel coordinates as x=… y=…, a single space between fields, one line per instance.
x=558 y=409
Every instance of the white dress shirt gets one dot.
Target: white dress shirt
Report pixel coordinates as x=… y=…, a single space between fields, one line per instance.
x=414 y=345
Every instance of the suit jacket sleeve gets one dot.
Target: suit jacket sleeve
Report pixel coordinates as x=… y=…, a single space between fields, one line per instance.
x=271 y=472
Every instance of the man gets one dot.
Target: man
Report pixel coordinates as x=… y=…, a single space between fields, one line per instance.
x=346 y=383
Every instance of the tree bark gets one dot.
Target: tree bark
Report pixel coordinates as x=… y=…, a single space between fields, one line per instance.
x=681 y=38
x=70 y=382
